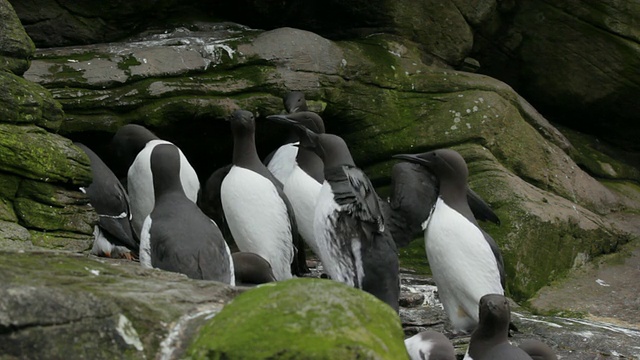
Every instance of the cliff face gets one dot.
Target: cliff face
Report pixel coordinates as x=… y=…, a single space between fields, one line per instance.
x=387 y=76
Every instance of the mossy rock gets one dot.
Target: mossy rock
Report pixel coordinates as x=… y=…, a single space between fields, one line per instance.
x=16 y=48
x=37 y=215
x=25 y=102
x=61 y=240
x=302 y=319
x=14 y=237
x=32 y=152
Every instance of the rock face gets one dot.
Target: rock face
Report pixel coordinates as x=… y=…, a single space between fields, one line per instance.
x=576 y=59
x=16 y=47
x=302 y=319
x=378 y=95
x=40 y=171
x=61 y=305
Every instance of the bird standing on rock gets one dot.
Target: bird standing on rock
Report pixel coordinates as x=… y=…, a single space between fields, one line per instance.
x=465 y=261
x=303 y=184
x=176 y=235
x=413 y=192
x=257 y=211
x=355 y=248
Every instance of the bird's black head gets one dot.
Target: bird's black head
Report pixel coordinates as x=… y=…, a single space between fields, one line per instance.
x=127 y=142
x=294 y=101
x=448 y=165
x=495 y=312
x=242 y=121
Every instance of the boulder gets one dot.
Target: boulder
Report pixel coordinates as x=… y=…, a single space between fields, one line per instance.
x=16 y=48
x=40 y=171
x=376 y=93
x=55 y=305
x=302 y=319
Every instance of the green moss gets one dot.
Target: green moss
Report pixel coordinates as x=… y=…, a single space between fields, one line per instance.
x=126 y=62
x=61 y=240
x=414 y=257
x=77 y=219
x=537 y=253
x=32 y=152
x=598 y=158
x=302 y=319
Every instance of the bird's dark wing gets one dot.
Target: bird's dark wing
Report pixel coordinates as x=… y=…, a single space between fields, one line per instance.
x=496 y=252
x=210 y=202
x=481 y=210
x=414 y=191
x=109 y=198
x=353 y=191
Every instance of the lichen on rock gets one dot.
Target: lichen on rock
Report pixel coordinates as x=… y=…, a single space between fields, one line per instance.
x=302 y=319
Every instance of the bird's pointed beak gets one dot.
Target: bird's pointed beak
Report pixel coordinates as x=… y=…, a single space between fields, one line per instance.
x=412 y=158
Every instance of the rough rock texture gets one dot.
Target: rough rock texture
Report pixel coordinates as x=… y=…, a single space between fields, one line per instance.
x=378 y=95
x=60 y=23
x=16 y=48
x=574 y=59
x=302 y=319
x=40 y=171
x=60 y=305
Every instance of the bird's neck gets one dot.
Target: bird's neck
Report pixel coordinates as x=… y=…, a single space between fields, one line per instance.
x=244 y=149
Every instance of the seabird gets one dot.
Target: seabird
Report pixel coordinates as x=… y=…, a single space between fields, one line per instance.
x=355 y=248
x=489 y=341
x=280 y=163
x=465 y=261
x=257 y=211
x=113 y=235
x=303 y=184
x=176 y=235
x=133 y=145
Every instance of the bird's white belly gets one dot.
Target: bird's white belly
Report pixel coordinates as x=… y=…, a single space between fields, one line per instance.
x=302 y=191
x=258 y=219
x=463 y=265
x=283 y=160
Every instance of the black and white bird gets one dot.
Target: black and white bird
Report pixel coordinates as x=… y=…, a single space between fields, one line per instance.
x=303 y=184
x=430 y=345
x=413 y=192
x=489 y=341
x=465 y=261
x=281 y=162
x=257 y=211
x=132 y=145
x=355 y=248
x=113 y=235
x=177 y=236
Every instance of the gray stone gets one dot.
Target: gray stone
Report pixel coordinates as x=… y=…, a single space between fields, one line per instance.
x=55 y=305
x=16 y=48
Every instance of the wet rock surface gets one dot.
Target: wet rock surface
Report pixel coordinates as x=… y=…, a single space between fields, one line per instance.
x=80 y=307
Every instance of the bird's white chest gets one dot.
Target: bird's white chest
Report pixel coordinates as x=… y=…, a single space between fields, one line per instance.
x=302 y=191
x=283 y=161
x=257 y=217
x=463 y=265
